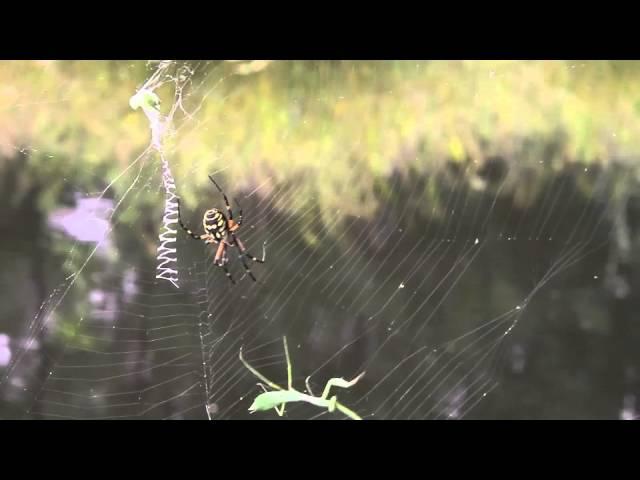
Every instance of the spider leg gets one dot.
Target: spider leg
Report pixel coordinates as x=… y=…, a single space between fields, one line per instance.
x=218 y=260
x=185 y=228
x=244 y=251
x=246 y=268
x=242 y=255
x=239 y=222
x=219 y=253
x=226 y=200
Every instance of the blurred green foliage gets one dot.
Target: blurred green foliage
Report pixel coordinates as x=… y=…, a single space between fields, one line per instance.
x=334 y=126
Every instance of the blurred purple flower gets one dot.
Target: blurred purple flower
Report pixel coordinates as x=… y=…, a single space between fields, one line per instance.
x=5 y=351
x=86 y=222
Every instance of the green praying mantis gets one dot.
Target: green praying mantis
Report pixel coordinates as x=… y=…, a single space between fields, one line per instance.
x=279 y=397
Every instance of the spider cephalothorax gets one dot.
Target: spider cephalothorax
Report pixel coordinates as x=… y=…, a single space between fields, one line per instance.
x=221 y=230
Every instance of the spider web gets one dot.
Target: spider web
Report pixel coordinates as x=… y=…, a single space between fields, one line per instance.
x=403 y=289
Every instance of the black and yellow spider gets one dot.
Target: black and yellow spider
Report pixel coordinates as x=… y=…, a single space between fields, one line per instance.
x=219 y=229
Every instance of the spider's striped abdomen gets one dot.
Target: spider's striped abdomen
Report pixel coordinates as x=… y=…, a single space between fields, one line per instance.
x=215 y=223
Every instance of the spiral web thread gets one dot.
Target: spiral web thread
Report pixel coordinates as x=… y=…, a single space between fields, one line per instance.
x=167 y=253
x=167 y=256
